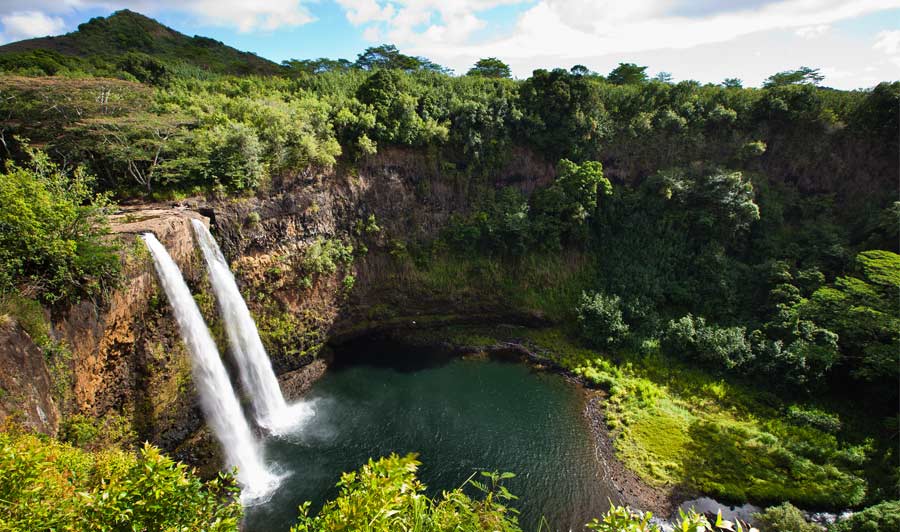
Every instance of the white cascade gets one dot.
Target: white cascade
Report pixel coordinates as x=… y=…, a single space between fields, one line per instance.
x=272 y=411
x=217 y=398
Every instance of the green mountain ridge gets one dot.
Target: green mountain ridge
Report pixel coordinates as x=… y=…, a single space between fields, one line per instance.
x=125 y=31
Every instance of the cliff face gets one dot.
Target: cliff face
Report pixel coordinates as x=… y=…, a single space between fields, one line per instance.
x=26 y=391
x=127 y=358
x=397 y=197
x=290 y=250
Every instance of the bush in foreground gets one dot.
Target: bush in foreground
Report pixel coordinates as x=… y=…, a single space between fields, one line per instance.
x=883 y=516
x=385 y=495
x=785 y=518
x=49 y=485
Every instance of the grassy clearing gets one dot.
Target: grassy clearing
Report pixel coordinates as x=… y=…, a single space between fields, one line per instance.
x=675 y=425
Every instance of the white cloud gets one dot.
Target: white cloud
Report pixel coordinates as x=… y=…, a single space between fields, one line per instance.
x=834 y=73
x=887 y=42
x=372 y=34
x=811 y=32
x=556 y=28
x=406 y=21
x=557 y=31
x=245 y=15
x=599 y=33
x=28 y=24
x=365 y=11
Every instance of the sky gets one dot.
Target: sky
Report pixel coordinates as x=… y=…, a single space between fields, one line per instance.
x=854 y=43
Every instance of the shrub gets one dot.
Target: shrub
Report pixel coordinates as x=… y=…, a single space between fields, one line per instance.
x=882 y=516
x=814 y=417
x=600 y=319
x=721 y=346
x=91 y=433
x=234 y=154
x=784 y=518
x=624 y=519
x=51 y=233
x=48 y=485
x=385 y=495
x=325 y=255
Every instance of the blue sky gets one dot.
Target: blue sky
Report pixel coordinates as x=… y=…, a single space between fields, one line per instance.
x=855 y=43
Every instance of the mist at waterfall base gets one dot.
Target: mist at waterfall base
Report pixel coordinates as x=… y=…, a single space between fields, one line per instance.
x=460 y=415
x=255 y=368
x=217 y=398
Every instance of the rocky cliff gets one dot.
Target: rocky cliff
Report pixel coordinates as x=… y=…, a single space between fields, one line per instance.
x=26 y=390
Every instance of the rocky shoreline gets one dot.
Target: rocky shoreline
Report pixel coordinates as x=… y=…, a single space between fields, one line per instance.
x=632 y=491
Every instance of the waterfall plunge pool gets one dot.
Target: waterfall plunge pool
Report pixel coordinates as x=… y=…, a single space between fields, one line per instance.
x=461 y=415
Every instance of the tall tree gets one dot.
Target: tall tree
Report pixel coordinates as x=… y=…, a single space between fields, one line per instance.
x=490 y=67
x=801 y=76
x=627 y=74
x=387 y=56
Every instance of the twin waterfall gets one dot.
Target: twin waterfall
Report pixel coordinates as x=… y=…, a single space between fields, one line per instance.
x=272 y=412
x=217 y=396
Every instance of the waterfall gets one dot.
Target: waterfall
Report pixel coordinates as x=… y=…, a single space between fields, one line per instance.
x=257 y=376
x=220 y=404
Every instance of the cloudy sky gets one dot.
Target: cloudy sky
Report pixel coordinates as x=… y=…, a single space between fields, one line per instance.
x=855 y=43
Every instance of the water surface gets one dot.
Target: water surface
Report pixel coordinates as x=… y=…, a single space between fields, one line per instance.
x=460 y=415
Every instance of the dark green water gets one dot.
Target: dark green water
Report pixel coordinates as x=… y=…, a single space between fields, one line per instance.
x=460 y=415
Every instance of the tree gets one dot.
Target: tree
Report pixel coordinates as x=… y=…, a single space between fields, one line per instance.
x=801 y=76
x=600 y=319
x=561 y=209
x=490 y=67
x=564 y=116
x=627 y=74
x=387 y=56
x=690 y=336
x=580 y=70
x=234 y=152
x=52 y=229
x=396 y=114
x=864 y=310
x=144 y=146
x=317 y=66
x=732 y=83
x=664 y=77
x=145 y=68
x=717 y=203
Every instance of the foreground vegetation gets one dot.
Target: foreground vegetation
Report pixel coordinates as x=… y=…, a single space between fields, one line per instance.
x=48 y=485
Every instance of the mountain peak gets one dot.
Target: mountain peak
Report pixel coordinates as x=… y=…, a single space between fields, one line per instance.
x=127 y=31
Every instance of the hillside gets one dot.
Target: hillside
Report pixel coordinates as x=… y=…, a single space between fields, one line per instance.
x=126 y=31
